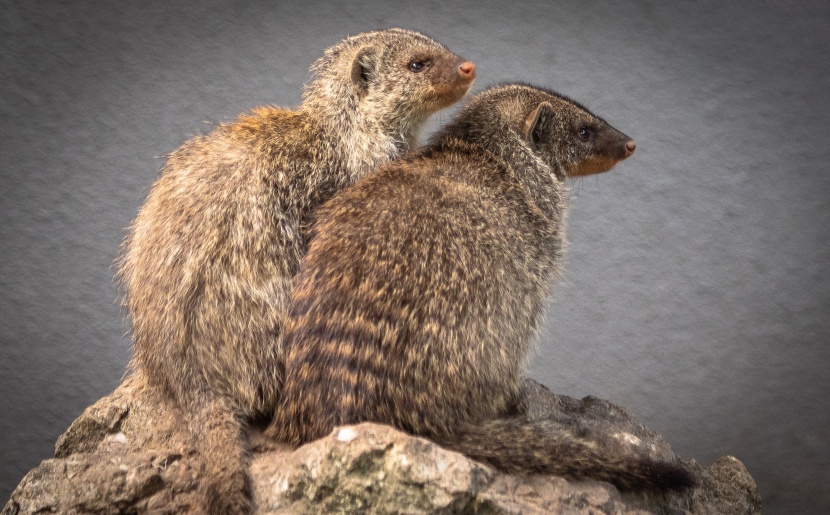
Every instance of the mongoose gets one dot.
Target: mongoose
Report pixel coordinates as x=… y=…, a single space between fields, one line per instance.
x=424 y=285
x=207 y=264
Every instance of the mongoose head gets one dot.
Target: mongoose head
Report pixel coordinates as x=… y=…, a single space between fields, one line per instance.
x=560 y=132
x=392 y=78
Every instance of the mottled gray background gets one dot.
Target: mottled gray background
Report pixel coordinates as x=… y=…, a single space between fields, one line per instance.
x=696 y=290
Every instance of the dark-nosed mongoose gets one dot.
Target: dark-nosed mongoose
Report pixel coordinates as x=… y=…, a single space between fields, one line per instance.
x=208 y=262
x=424 y=285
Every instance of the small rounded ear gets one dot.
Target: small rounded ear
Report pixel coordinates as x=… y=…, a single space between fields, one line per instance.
x=363 y=68
x=536 y=123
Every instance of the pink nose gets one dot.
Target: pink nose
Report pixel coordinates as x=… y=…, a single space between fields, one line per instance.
x=467 y=70
x=630 y=147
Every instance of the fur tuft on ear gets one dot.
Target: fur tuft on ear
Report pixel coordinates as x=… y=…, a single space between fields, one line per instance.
x=363 y=68
x=534 y=126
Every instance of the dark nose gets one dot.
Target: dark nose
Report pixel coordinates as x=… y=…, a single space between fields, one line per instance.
x=467 y=70
x=630 y=147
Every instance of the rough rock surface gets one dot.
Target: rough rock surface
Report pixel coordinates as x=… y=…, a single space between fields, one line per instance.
x=127 y=454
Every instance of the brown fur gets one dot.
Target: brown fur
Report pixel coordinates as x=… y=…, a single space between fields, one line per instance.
x=208 y=262
x=424 y=286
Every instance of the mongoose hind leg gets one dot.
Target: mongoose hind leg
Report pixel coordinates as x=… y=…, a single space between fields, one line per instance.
x=224 y=484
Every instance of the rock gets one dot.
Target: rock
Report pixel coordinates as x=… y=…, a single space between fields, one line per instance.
x=125 y=453
x=128 y=454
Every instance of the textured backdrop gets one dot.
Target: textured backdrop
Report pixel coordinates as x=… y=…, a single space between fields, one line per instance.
x=696 y=291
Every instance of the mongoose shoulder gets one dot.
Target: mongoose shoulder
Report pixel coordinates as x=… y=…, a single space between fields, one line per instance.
x=208 y=262
x=425 y=283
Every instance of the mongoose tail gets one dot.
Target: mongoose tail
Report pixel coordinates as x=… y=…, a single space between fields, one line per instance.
x=519 y=446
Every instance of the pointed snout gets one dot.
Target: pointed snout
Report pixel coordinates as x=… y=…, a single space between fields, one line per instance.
x=467 y=71
x=610 y=147
x=452 y=81
x=630 y=147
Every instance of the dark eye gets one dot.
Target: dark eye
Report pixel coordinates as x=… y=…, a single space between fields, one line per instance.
x=584 y=134
x=417 y=66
